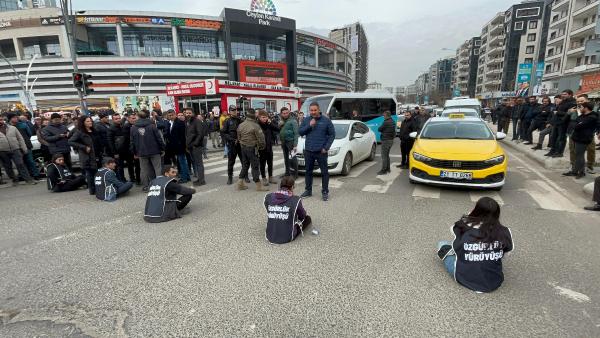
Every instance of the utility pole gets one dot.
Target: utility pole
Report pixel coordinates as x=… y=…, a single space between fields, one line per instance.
x=69 y=18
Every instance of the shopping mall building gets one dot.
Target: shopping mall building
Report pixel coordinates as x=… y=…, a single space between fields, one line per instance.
x=123 y=49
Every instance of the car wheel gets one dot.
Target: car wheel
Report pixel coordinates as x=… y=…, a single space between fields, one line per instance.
x=347 y=164
x=373 y=153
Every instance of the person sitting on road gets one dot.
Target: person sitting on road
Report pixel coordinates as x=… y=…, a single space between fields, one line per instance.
x=474 y=259
x=162 y=204
x=596 y=197
x=286 y=217
x=60 y=178
x=108 y=186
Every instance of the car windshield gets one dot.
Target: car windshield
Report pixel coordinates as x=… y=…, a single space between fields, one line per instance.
x=456 y=130
x=341 y=130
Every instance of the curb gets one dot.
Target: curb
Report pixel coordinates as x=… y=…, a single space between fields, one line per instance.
x=548 y=163
x=589 y=189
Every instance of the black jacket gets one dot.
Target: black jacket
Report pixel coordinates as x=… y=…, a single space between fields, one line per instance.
x=517 y=112
x=195 y=133
x=531 y=111
x=563 y=109
x=56 y=174
x=102 y=130
x=118 y=140
x=270 y=130
x=505 y=112
x=56 y=143
x=176 y=137
x=407 y=127
x=170 y=211
x=387 y=129
x=546 y=114
x=583 y=131
x=80 y=140
x=230 y=129
x=146 y=139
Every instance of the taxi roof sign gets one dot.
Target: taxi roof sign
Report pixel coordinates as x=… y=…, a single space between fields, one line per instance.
x=456 y=116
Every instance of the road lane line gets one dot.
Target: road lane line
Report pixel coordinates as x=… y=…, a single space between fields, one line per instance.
x=476 y=195
x=387 y=179
x=360 y=169
x=550 y=199
x=275 y=163
x=425 y=191
x=535 y=171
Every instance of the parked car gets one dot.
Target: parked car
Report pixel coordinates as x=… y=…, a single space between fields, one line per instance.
x=354 y=142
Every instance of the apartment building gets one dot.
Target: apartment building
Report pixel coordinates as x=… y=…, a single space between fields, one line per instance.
x=491 y=57
x=354 y=38
x=464 y=70
x=573 y=24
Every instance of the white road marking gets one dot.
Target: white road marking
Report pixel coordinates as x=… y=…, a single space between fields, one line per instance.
x=387 y=179
x=537 y=172
x=275 y=163
x=476 y=195
x=207 y=192
x=573 y=295
x=548 y=198
x=425 y=191
x=360 y=168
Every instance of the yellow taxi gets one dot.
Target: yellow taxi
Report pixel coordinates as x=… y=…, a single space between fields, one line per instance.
x=458 y=151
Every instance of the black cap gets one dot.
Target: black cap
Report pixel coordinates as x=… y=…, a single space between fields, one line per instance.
x=102 y=115
x=10 y=116
x=54 y=116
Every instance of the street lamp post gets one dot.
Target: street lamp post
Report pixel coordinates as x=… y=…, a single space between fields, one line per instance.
x=18 y=77
x=138 y=87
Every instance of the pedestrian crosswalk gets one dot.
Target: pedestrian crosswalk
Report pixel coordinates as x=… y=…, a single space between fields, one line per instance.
x=364 y=180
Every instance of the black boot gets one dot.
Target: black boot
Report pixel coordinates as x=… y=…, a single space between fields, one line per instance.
x=229 y=180
x=538 y=147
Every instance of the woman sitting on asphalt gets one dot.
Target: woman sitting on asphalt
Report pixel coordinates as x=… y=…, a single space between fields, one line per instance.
x=474 y=259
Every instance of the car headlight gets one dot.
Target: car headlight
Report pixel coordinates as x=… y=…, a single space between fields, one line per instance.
x=333 y=151
x=421 y=158
x=495 y=160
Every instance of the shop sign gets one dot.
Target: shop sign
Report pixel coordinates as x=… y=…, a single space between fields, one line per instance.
x=189 y=88
x=268 y=73
x=325 y=43
x=97 y=20
x=5 y=24
x=52 y=21
x=590 y=82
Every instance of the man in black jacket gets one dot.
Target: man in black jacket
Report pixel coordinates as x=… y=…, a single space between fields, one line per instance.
x=388 y=133
x=60 y=178
x=118 y=146
x=102 y=127
x=133 y=165
x=176 y=145
x=162 y=204
x=530 y=112
x=148 y=145
x=271 y=131
x=504 y=115
x=562 y=117
x=230 y=138
x=583 y=134
x=407 y=127
x=542 y=122
x=517 y=115
x=57 y=136
x=195 y=133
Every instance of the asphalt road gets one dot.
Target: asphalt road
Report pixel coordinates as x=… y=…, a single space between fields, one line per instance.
x=74 y=266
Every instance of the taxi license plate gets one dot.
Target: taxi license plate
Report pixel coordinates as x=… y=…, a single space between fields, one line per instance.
x=301 y=163
x=456 y=175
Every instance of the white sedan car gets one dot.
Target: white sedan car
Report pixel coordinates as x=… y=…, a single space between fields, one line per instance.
x=354 y=142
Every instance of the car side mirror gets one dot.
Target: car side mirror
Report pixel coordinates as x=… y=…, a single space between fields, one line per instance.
x=413 y=134
x=500 y=136
x=357 y=135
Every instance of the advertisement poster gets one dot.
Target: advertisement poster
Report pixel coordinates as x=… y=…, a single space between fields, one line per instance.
x=524 y=79
x=268 y=73
x=122 y=103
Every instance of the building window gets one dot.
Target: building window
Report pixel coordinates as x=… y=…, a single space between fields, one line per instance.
x=528 y=60
x=476 y=52
x=101 y=41
x=146 y=41
x=519 y=26
x=306 y=54
x=533 y=24
x=8 y=5
x=7 y=47
x=531 y=37
x=578 y=62
x=195 y=43
x=529 y=49
x=527 y=12
x=44 y=46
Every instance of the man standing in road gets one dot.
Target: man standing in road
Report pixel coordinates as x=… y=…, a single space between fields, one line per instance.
x=270 y=130
x=162 y=204
x=57 y=136
x=252 y=140
x=230 y=130
x=12 y=148
x=388 y=133
x=118 y=146
x=26 y=133
x=320 y=134
x=195 y=132
x=176 y=145
x=583 y=133
x=133 y=164
x=148 y=145
x=407 y=127
x=531 y=111
x=517 y=121
x=102 y=127
x=504 y=115
x=289 y=142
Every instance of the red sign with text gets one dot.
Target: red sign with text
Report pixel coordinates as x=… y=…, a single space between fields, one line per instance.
x=590 y=82
x=269 y=73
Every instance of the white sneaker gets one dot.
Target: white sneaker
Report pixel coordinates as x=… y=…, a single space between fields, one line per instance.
x=590 y=171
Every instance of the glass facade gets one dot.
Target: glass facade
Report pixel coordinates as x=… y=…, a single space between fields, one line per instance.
x=44 y=46
x=8 y=5
x=101 y=39
x=248 y=48
x=325 y=58
x=145 y=41
x=201 y=44
x=305 y=54
x=7 y=48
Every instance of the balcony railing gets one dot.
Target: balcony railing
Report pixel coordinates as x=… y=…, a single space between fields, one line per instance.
x=584 y=5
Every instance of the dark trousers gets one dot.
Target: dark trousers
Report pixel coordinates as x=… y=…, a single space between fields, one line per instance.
x=310 y=157
x=124 y=188
x=183 y=201
x=525 y=124
x=90 y=175
x=70 y=185
x=266 y=162
x=290 y=164
x=133 y=168
x=543 y=134
x=516 y=129
x=503 y=125
x=579 y=166
x=197 y=153
x=561 y=139
x=30 y=163
x=405 y=148
x=233 y=151
x=597 y=190
x=182 y=166
x=386 y=147
x=531 y=127
x=250 y=159
x=16 y=156
x=306 y=222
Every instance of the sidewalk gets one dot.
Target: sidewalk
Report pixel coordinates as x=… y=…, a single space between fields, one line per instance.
x=556 y=164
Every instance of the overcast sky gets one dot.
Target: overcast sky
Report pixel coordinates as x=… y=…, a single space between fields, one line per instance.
x=405 y=36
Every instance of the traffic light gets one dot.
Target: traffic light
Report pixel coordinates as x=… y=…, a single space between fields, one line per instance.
x=87 y=84
x=78 y=81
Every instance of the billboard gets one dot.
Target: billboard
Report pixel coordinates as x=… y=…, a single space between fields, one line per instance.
x=269 y=73
x=122 y=103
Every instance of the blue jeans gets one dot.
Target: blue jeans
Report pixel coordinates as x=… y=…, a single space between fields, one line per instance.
x=28 y=159
x=450 y=259
x=124 y=188
x=184 y=172
x=310 y=157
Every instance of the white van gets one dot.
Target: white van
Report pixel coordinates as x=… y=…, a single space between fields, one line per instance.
x=464 y=102
x=370 y=107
